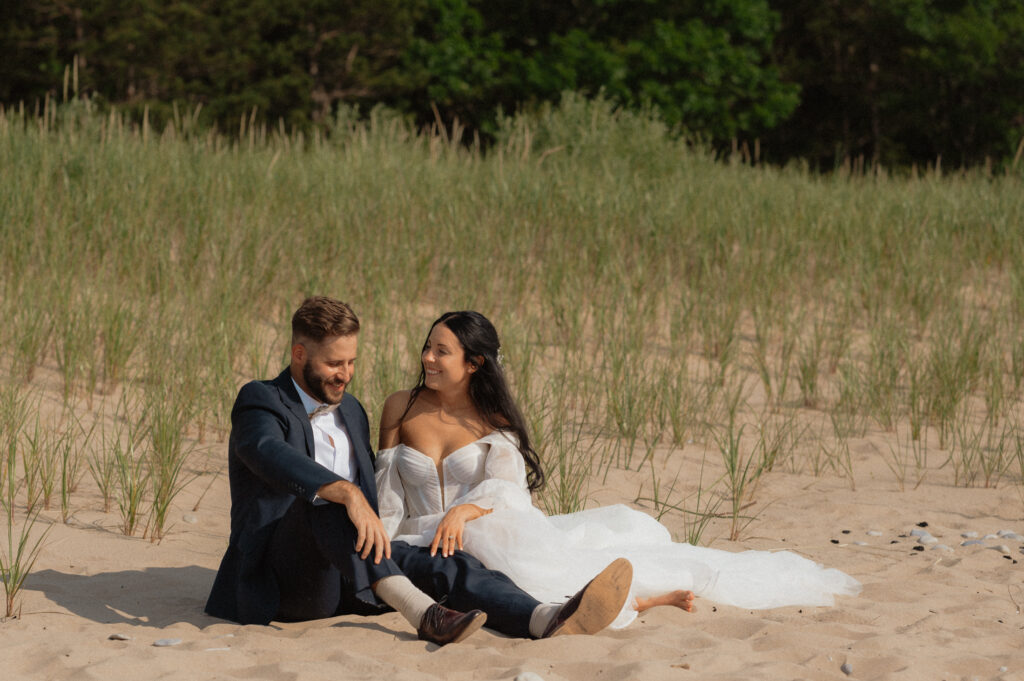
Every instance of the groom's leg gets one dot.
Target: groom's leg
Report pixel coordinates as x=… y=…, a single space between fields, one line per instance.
x=318 y=571
x=463 y=583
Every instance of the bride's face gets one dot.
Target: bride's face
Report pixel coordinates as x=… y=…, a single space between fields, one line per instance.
x=444 y=361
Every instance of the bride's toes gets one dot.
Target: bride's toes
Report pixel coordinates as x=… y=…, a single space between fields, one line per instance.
x=684 y=600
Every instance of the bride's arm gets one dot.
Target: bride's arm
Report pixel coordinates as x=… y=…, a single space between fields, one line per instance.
x=504 y=480
x=391 y=419
x=503 y=486
x=390 y=493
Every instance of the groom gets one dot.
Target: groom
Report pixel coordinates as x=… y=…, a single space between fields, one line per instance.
x=306 y=540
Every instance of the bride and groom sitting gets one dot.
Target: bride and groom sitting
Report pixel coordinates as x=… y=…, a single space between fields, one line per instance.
x=307 y=540
x=320 y=527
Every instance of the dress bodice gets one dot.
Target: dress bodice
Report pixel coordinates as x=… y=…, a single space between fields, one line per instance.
x=489 y=472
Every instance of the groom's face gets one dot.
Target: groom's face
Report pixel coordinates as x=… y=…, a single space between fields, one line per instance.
x=327 y=366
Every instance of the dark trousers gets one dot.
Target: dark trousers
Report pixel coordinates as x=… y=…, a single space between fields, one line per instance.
x=320 y=574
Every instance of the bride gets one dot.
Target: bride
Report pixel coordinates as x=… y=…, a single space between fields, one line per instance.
x=456 y=469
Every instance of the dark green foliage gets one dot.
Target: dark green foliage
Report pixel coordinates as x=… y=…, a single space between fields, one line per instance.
x=898 y=81
x=888 y=81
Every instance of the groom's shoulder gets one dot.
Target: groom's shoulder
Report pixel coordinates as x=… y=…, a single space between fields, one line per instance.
x=269 y=390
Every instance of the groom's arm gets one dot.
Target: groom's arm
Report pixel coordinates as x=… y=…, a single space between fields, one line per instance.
x=260 y=429
x=261 y=438
x=371 y=537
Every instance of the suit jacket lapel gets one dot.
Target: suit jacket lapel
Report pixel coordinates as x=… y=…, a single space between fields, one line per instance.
x=290 y=397
x=360 y=447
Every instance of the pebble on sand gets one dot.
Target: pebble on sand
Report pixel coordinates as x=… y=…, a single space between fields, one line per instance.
x=874 y=533
x=119 y=637
x=969 y=535
x=166 y=642
x=927 y=539
x=972 y=542
x=846 y=668
x=190 y=518
x=1002 y=548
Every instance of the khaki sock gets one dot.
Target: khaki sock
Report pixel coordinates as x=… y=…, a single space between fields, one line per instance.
x=398 y=592
x=541 y=618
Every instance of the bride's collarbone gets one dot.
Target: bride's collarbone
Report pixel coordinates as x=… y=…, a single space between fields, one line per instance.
x=438 y=440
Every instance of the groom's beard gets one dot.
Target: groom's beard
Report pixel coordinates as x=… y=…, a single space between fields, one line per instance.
x=326 y=391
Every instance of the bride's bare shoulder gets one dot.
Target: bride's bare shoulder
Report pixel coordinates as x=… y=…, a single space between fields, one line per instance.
x=394 y=408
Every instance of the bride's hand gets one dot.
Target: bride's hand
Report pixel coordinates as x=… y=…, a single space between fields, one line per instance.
x=449 y=532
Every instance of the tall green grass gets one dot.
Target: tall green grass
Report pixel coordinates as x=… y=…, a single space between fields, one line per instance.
x=635 y=278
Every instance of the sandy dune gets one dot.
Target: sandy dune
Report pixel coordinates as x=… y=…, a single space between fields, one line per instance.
x=923 y=614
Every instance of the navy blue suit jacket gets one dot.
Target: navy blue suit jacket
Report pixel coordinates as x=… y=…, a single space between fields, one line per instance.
x=271 y=464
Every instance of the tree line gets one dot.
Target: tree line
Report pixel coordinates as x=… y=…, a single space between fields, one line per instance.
x=887 y=81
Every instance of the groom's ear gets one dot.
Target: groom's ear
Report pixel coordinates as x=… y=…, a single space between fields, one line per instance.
x=298 y=353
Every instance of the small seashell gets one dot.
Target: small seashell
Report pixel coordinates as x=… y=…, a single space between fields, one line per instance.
x=941 y=547
x=119 y=637
x=991 y=536
x=969 y=535
x=1003 y=533
x=1013 y=536
x=1001 y=548
x=874 y=533
x=859 y=543
x=190 y=518
x=846 y=668
x=166 y=642
x=529 y=676
x=920 y=533
x=927 y=539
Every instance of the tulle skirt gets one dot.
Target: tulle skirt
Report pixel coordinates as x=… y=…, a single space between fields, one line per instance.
x=552 y=557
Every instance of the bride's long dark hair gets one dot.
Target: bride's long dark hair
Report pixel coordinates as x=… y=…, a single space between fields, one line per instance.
x=488 y=388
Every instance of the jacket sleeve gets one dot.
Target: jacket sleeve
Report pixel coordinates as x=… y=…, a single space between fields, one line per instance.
x=263 y=438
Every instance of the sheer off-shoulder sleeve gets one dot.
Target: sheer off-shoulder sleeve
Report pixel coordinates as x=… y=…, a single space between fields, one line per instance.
x=503 y=482
x=390 y=493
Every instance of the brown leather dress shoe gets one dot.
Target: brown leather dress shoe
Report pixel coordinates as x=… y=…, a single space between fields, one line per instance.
x=596 y=605
x=442 y=625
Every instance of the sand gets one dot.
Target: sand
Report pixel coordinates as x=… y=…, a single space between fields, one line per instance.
x=922 y=614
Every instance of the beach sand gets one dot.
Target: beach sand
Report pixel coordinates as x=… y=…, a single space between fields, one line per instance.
x=922 y=614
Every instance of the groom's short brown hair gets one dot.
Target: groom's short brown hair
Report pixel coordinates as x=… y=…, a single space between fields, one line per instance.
x=320 y=317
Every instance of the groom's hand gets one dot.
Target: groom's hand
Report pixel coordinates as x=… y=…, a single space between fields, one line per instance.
x=370 y=533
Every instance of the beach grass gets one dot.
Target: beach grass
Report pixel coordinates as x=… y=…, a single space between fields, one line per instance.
x=651 y=295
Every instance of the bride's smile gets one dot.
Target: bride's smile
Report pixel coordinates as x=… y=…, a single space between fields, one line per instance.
x=445 y=366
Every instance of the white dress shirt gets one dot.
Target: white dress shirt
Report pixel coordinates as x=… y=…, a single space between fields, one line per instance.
x=332 y=447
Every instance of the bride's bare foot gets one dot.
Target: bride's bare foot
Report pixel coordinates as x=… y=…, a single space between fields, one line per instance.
x=680 y=599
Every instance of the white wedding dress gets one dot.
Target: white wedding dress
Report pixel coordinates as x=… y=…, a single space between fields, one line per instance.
x=552 y=557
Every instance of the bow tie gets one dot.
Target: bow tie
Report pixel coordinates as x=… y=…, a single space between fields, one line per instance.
x=322 y=409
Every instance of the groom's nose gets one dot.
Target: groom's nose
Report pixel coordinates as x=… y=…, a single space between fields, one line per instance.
x=344 y=374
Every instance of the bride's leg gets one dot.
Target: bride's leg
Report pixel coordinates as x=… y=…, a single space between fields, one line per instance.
x=680 y=599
